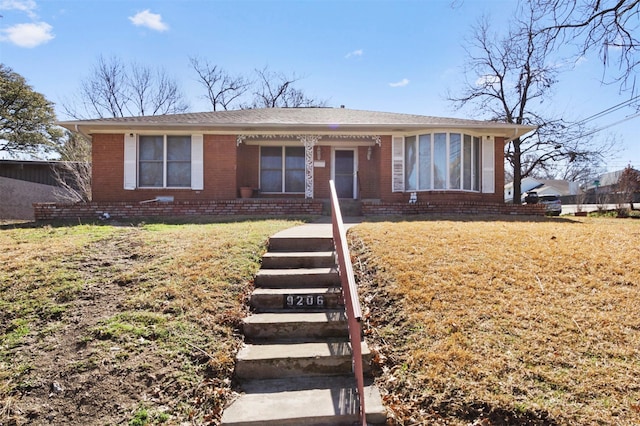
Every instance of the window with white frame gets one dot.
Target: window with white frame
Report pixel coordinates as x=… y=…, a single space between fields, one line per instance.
x=282 y=169
x=437 y=161
x=164 y=161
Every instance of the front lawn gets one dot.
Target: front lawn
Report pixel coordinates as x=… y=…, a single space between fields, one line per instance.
x=115 y=324
x=504 y=321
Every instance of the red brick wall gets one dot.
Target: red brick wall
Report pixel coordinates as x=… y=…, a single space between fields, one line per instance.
x=373 y=208
x=123 y=210
x=220 y=180
x=107 y=156
x=322 y=175
x=220 y=158
x=369 y=172
x=248 y=166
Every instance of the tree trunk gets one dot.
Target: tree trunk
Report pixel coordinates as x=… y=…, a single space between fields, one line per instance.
x=517 y=173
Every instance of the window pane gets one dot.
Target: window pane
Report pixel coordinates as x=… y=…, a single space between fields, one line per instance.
x=271 y=157
x=179 y=148
x=466 y=156
x=454 y=160
x=151 y=148
x=424 y=163
x=439 y=160
x=294 y=158
x=410 y=164
x=150 y=173
x=271 y=169
x=179 y=173
x=271 y=181
x=294 y=181
x=476 y=163
x=294 y=169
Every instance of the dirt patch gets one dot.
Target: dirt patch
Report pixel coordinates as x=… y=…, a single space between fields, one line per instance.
x=74 y=379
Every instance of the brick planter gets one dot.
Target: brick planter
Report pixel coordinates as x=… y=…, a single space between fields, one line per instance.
x=121 y=210
x=376 y=208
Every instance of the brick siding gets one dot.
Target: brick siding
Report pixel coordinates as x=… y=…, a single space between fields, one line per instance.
x=124 y=210
x=220 y=173
x=379 y=208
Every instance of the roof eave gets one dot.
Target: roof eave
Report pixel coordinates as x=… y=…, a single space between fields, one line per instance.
x=508 y=131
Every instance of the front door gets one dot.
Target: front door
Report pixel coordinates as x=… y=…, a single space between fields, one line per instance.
x=345 y=172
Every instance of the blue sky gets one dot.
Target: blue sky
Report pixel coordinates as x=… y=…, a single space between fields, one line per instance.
x=396 y=56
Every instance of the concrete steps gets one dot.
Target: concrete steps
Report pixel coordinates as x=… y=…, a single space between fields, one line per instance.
x=304 y=401
x=296 y=360
x=282 y=260
x=297 y=278
x=295 y=327
x=295 y=367
x=276 y=300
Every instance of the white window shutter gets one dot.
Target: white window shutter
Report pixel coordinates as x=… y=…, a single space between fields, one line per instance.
x=397 y=160
x=130 y=161
x=488 y=166
x=197 y=162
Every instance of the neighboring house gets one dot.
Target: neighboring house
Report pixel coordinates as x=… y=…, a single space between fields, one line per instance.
x=25 y=182
x=606 y=190
x=378 y=158
x=542 y=187
x=607 y=182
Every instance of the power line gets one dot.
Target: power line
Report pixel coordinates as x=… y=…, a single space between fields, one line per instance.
x=607 y=111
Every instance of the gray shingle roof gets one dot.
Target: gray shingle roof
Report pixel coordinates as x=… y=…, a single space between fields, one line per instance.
x=283 y=119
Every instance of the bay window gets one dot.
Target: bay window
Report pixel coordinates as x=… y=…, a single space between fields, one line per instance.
x=437 y=161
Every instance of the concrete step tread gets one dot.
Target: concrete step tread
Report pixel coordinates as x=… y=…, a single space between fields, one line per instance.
x=298 y=271
x=300 y=317
x=287 y=254
x=300 y=242
x=303 y=401
x=296 y=290
x=250 y=352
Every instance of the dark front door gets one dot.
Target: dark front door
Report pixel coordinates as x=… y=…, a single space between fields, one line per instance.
x=345 y=173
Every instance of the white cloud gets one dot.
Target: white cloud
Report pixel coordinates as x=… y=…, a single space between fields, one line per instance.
x=400 y=83
x=358 y=52
x=28 y=35
x=487 y=80
x=26 y=6
x=150 y=20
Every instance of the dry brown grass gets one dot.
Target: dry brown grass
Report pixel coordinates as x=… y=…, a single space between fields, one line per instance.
x=132 y=322
x=505 y=321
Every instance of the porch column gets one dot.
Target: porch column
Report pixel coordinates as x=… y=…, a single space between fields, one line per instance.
x=309 y=141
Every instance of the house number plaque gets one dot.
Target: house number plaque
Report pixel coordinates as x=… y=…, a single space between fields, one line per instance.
x=303 y=301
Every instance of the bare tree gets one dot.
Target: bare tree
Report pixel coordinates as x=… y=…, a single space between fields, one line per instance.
x=222 y=89
x=116 y=90
x=606 y=26
x=511 y=78
x=276 y=90
x=73 y=173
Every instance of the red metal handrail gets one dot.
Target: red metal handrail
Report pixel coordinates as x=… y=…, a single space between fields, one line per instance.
x=350 y=295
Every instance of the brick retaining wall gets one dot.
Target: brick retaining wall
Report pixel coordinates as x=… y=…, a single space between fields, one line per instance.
x=265 y=207
x=376 y=208
x=120 y=210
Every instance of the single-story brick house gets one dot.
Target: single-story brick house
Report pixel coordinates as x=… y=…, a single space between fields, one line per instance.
x=198 y=163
